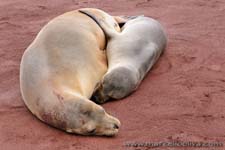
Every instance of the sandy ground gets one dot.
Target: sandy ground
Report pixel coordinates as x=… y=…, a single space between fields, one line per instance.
x=182 y=98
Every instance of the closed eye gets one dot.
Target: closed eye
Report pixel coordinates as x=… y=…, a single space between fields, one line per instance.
x=92 y=131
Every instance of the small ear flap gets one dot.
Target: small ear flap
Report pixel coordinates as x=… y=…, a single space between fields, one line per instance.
x=86 y=107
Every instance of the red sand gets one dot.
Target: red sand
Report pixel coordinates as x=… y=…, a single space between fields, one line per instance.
x=182 y=98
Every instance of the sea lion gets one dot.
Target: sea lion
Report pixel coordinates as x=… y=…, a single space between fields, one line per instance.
x=60 y=70
x=131 y=54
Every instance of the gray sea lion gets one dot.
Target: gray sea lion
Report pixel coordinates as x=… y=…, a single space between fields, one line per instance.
x=130 y=54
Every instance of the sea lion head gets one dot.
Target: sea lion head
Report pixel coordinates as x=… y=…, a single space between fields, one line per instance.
x=91 y=119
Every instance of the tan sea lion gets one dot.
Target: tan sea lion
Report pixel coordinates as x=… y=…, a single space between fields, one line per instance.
x=60 y=70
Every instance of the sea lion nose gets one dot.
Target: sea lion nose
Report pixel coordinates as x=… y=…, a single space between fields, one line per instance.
x=115 y=126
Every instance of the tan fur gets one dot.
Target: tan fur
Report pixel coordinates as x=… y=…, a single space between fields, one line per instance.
x=60 y=70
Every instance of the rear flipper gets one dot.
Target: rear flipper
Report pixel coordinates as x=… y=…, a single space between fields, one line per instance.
x=107 y=29
x=116 y=84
